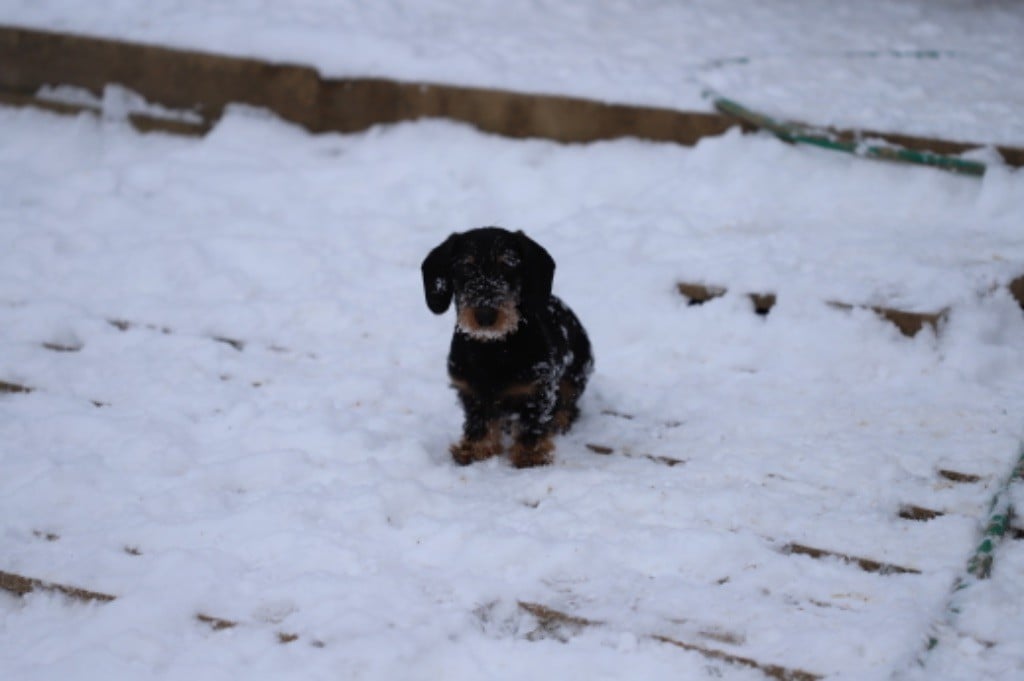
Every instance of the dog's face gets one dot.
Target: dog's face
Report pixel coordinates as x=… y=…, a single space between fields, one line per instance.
x=495 y=277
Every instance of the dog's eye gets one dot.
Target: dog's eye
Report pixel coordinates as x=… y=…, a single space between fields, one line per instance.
x=509 y=260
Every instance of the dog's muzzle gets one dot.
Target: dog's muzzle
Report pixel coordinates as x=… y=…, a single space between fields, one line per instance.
x=488 y=322
x=485 y=317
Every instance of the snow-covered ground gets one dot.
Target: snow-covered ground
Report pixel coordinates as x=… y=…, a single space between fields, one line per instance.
x=239 y=405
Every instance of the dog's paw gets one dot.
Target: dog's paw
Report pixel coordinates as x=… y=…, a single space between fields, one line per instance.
x=470 y=451
x=539 y=453
x=563 y=419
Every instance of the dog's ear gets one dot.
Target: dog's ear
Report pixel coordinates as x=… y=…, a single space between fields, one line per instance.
x=437 y=276
x=538 y=271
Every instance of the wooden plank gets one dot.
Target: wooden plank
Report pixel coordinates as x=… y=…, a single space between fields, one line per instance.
x=763 y=302
x=698 y=294
x=560 y=625
x=957 y=476
x=605 y=450
x=13 y=388
x=178 y=79
x=909 y=323
x=772 y=671
x=20 y=585
x=919 y=513
x=866 y=564
x=206 y=83
x=60 y=347
x=216 y=623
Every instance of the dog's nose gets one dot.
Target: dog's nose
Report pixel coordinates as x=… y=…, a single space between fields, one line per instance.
x=485 y=316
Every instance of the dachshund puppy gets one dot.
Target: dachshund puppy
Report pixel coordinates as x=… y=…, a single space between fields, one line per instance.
x=519 y=357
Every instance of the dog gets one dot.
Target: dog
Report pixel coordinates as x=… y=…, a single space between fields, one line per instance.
x=519 y=357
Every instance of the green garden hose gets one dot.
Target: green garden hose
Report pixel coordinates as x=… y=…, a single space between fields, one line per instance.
x=804 y=134
x=980 y=564
x=799 y=133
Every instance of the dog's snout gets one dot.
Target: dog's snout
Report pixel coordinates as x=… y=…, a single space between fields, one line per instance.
x=485 y=316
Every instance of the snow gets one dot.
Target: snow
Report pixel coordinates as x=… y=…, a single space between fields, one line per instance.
x=243 y=410
x=117 y=102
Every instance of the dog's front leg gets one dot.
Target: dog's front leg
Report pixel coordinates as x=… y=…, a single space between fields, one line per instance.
x=481 y=431
x=533 y=446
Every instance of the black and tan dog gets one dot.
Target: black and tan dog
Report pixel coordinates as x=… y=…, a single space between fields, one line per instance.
x=519 y=357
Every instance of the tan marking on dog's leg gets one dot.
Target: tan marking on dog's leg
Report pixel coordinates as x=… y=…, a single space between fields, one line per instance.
x=537 y=454
x=470 y=451
x=566 y=412
x=561 y=422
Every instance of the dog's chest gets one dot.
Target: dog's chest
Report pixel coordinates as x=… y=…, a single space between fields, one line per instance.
x=494 y=365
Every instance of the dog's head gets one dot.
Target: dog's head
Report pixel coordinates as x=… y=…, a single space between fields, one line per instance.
x=494 y=275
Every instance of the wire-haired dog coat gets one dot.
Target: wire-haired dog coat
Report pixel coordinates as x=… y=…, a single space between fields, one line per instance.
x=519 y=357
